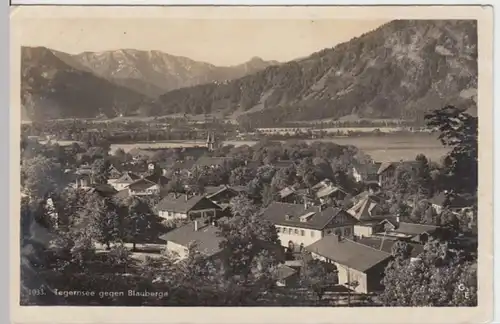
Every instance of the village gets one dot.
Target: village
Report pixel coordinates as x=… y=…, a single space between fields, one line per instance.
x=333 y=220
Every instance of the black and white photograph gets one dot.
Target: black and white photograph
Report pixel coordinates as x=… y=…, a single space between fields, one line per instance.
x=271 y=162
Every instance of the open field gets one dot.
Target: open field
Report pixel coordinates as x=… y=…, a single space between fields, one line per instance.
x=380 y=148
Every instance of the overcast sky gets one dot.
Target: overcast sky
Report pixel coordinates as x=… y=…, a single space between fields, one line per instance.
x=220 y=42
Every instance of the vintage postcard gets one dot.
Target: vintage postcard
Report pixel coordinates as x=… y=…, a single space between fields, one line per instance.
x=251 y=164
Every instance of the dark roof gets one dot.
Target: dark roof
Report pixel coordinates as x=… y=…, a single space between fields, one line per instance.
x=104 y=190
x=128 y=177
x=141 y=184
x=122 y=194
x=278 y=212
x=157 y=178
x=349 y=253
x=415 y=229
x=455 y=201
x=386 y=165
x=206 y=237
x=386 y=245
x=328 y=190
x=212 y=190
x=283 y=272
x=368 y=169
x=180 y=203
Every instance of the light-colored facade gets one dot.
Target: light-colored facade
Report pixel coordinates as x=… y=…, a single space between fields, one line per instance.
x=153 y=190
x=363 y=230
x=304 y=236
x=177 y=250
x=347 y=276
x=192 y=214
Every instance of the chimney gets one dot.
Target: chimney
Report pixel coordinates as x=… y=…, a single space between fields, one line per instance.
x=196 y=226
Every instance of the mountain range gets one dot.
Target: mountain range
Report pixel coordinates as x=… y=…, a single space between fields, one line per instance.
x=400 y=70
x=58 y=85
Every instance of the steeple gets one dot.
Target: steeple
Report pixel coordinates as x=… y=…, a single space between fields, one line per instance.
x=211 y=141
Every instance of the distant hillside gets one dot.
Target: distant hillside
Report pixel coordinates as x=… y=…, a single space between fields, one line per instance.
x=400 y=70
x=154 y=73
x=52 y=88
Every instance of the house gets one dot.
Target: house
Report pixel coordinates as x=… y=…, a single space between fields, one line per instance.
x=300 y=225
x=143 y=187
x=204 y=234
x=360 y=267
x=115 y=172
x=370 y=211
x=382 y=244
x=417 y=233
x=183 y=167
x=125 y=180
x=322 y=184
x=387 y=171
x=444 y=200
x=331 y=192
x=286 y=276
x=289 y=195
x=177 y=206
x=104 y=190
x=222 y=195
x=366 y=172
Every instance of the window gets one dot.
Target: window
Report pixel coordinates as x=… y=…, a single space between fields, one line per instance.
x=312 y=233
x=302 y=232
x=347 y=231
x=278 y=229
x=338 y=232
x=296 y=232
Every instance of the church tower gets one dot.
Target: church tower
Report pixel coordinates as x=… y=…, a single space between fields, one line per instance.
x=211 y=143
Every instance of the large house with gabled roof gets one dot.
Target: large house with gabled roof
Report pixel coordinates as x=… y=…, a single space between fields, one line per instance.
x=184 y=206
x=301 y=225
x=360 y=267
x=125 y=180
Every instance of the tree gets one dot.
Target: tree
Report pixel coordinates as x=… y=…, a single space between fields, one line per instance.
x=137 y=219
x=438 y=277
x=315 y=275
x=41 y=177
x=307 y=172
x=101 y=218
x=100 y=171
x=458 y=130
x=119 y=256
x=423 y=180
x=284 y=177
x=241 y=176
x=243 y=206
x=245 y=237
